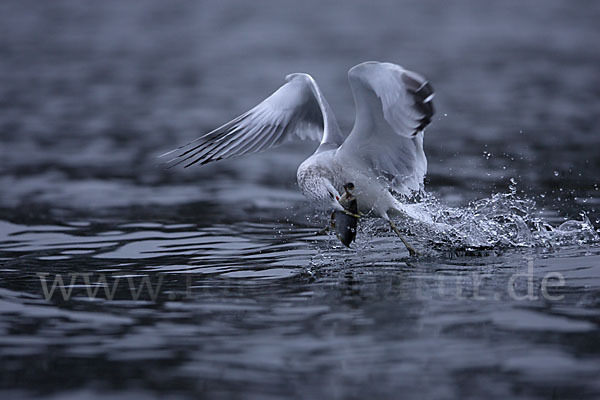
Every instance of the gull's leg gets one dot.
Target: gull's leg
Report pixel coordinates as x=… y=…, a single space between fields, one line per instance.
x=410 y=249
x=331 y=225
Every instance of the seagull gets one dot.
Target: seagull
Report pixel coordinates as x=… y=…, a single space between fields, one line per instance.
x=382 y=157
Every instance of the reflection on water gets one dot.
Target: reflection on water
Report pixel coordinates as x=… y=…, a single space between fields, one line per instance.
x=252 y=306
x=118 y=278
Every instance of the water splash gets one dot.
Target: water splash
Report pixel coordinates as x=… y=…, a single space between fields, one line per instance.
x=500 y=221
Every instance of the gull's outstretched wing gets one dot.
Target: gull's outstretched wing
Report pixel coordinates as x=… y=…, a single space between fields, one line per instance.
x=297 y=110
x=393 y=107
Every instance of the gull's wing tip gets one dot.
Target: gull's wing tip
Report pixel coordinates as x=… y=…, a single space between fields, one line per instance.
x=167 y=153
x=168 y=164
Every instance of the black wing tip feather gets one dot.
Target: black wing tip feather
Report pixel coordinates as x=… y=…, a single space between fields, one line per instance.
x=423 y=101
x=181 y=158
x=200 y=150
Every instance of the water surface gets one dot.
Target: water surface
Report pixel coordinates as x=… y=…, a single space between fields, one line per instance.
x=210 y=282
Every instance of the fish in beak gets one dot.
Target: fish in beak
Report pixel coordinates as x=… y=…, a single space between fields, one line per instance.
x=345 y=222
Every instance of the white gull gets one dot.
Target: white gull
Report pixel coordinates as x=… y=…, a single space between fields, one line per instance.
x=382 y=156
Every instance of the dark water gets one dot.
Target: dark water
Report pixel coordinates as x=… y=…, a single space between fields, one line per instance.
x=243 y=300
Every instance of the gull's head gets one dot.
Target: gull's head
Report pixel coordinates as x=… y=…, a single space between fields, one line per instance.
x=325 y=195
x=332 y=197
x=319 y=190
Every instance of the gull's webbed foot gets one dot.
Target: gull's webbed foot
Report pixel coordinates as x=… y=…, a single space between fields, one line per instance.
x=331 y=225
x=323 y=231
x=410 y=249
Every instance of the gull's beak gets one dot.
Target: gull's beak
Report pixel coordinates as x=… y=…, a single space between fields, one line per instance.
x=335 y=199
x=337 y=206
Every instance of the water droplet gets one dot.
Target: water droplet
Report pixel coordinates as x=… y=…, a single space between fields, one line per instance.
x=555 y=173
